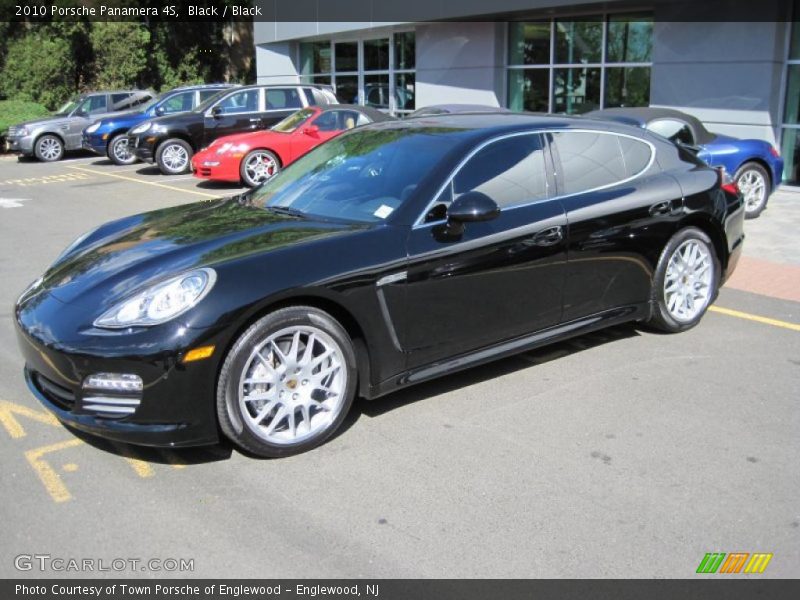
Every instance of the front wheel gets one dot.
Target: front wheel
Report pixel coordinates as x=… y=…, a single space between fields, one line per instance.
x=174 y=156
x=119 y=152
x=753 y=181
x=49 y=148
x=686 y=281
x=287 y=383
x=259 y=166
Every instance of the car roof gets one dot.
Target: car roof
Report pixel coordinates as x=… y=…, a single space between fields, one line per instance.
x=642 y=115
x=462 y=108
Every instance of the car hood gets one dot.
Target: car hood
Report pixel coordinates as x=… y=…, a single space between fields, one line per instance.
x=52 y=120
x=124 y=116
x=122 y=256
x=250 y=137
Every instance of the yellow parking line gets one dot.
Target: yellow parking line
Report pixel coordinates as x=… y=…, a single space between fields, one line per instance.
x=50 y=478
x=141 y=467
x=161 y=185
x=756 y=318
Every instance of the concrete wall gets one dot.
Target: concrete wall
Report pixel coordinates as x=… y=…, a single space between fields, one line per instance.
x=275 y=63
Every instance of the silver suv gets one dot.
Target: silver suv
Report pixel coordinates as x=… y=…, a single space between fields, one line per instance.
x=49 y=138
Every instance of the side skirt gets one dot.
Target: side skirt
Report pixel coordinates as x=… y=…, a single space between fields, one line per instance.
x=487 y=354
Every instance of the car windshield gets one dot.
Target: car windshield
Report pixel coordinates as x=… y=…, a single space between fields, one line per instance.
x=203 y=106
x=70 y=105
x=362 y=176
x=293 y=121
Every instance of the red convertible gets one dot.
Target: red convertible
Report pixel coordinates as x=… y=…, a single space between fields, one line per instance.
x=256 y=156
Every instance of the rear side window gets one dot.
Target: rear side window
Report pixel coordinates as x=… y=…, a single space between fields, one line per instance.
x=591 y=160
x=283 y=98
x=674 y=130
x=118 y=101
x=206 y=94
x=510 y=171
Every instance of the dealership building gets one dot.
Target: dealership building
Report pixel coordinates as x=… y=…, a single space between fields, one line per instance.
x=740 y=78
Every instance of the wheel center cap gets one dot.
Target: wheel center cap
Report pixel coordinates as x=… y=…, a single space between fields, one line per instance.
x=291 y=383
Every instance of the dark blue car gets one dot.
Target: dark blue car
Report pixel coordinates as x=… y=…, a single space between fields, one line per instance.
x=755 y=165
x=106 y=137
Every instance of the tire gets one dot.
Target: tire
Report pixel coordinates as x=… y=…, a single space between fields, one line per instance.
x=677 y=271
x=174 y=157
x=754 y=183
x=259 y=160
x=49 y=148
x=118 y=152
x=258 y=415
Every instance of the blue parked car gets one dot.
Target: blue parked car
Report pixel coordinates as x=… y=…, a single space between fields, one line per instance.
x=755 y=165
x=107 y=137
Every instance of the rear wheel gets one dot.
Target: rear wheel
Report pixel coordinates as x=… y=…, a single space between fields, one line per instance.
x=49 y=148
x=287 y=383
x=685 y=282
x=174 y=156
x=259 y=166
x=119 y=152
x=753 y=181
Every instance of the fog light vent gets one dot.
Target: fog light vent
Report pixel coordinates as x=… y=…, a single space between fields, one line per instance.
x=113 y=382
x=111 y=407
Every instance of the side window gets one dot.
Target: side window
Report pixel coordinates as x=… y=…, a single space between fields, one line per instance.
x=673 y=130
x=283 y=98
x=178 y=103
x=120 y=101
x=94 y=104
x=328 y=121
x=589 y=160
x=206 y=94
x=635 y=154
x=309 y=94
x=240 y=102
x=510 y=171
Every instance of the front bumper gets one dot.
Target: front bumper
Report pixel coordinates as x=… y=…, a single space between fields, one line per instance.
x=23 y=145
x=94 y=143
x=176 y=406
x=144 y=146
x=211 y=166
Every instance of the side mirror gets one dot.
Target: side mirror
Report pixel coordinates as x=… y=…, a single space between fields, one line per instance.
x=311 y=130
x=216 y=112
x=471 y=207
x=160 y=111
x=81 y=113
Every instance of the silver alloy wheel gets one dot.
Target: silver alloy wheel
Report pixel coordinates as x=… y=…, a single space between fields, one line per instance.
x=293 y=385
x=121 y=151
x=175 y=157
x=754 y=189
x=260 y=166
x=49 y=148
x=687 y=284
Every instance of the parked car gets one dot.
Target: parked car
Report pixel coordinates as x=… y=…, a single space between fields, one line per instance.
x=108 y=136
x=254 y=157
x=47 y=139
x=377 y=95
x=171 y=141
x=755 y=165
x=392 y=254
x=452 y=109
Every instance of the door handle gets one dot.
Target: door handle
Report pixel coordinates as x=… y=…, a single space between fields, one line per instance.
x=549 y=237
x=661 y=209
x=255 y=120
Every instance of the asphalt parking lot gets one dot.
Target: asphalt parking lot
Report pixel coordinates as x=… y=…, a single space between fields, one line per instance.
x=620 y=454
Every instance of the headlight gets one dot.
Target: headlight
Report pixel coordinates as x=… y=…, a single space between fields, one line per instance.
x=161 y=302
x=141 y=128
x=23 y=131
x=92 y=128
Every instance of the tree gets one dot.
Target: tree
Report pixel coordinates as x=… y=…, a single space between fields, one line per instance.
x=120 y=54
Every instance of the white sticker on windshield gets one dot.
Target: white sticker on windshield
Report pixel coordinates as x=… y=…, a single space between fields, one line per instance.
x=383 y=212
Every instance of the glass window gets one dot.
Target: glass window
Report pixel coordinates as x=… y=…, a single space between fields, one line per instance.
x=576 y=90
x=791 y=114
x=376 y=55
x=510 y=171
x=579 y=41
x=94 y=104
x=673 y=130
x=240 y=102
x=790 y=150
x=635 y=154
x=404 y=91
x=588 y=160
x=293 y=121
x=346 y=56
x=404 y=50
x=315 y=57
x=794 y=45
x=206 y=94
x=347 y=89
x=376 y=91
x=529 y=43
x=178 y=103
x=630 y=38
x=528 y=89
x=328 y=121
x=627 y=86
x=119 y=100
x=283 y=98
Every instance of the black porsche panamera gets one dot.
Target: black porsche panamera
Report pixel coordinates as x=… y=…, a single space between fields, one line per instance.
x=390 y=255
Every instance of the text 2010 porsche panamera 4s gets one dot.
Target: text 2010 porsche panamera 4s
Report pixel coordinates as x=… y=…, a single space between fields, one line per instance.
x=390 y=255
